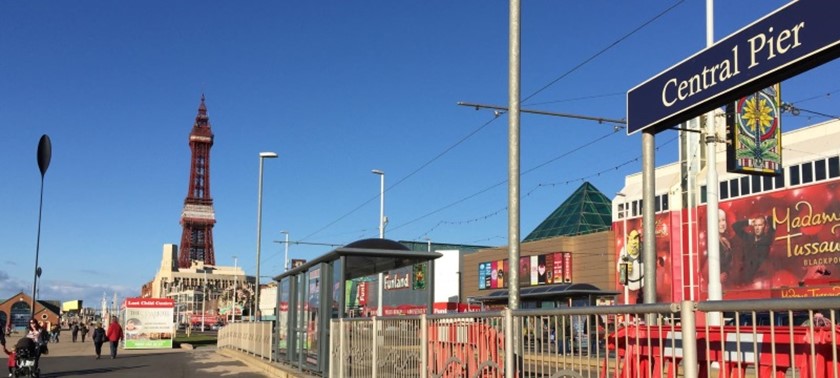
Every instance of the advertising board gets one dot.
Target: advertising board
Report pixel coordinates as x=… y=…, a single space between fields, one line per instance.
x=148 y=323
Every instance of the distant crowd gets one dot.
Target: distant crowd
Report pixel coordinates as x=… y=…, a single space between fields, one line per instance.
x=27 y=352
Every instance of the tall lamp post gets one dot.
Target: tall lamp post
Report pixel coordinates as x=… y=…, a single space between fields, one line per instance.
x=203 y=300
x=382 y=221
x=44 y=157
x=263 y=156
x=286 y=253
x=235 y=291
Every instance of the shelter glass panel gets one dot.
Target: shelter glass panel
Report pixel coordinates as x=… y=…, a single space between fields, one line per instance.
x=312 y=314
x=283 y=316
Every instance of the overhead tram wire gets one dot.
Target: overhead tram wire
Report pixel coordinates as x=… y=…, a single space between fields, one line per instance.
x=591 y=58
x=462 y=140
x=592 y=97
x=587 y=144
x=496 y=212
x=398 y=182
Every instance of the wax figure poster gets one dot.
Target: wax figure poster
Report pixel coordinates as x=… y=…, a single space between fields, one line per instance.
x=773 y=242
x=630 y=258
x=148 y=323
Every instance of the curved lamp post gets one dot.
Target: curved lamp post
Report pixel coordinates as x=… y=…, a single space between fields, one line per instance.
x=381 y=277
x=263 y=156
x=44 y=157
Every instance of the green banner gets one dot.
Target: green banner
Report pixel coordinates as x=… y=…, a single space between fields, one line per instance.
x=148 y=344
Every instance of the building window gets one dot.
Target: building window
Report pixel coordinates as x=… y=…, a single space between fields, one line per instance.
x=819 y=170
x=665 y=202
x=733 y=188
x=807 y=173
x=794 y=175
x=703 y=195
x=833 y=167
x=745 y=185
x=768 y=183
x=780 y=181
x=756 y=183
x=724 y=191
x=657 y=204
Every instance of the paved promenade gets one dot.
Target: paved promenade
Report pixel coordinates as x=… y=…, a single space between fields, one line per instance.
x=68 y=359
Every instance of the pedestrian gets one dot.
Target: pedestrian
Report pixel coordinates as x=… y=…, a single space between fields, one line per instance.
x=74 y=330
x=98 y=339
x=12 y=362
x=83 y=330
x=114 y=335
x=36 y=334
x=57 y=329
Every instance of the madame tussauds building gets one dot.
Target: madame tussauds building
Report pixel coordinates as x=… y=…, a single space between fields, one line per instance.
x=780 y=236
x=779 y=233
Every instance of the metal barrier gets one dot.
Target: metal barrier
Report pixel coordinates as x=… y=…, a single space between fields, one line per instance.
x=761 y=338
x=254 y=338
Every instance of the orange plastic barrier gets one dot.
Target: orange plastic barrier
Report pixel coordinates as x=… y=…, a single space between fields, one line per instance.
x=466 y=350
x=648 y=351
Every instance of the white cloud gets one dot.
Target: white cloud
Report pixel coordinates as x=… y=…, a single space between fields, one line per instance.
x=90 y=294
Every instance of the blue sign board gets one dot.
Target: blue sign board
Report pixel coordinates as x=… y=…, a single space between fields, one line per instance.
x=799 y=36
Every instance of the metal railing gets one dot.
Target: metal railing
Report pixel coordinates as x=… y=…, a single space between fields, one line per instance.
x=254 y=338
x=780 y=337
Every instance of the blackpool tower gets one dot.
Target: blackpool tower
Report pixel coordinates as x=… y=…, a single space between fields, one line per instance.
x=198 y=217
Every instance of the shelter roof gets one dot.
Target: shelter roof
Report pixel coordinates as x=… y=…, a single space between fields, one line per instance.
x=367 y=257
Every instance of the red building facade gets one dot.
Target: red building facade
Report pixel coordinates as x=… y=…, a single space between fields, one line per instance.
x=779 y=236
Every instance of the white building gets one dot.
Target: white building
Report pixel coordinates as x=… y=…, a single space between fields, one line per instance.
x=189 y=285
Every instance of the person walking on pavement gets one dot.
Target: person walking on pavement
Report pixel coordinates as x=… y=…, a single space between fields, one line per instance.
x=98 y=339
x=54 y=332
x=114 y=335
x=74 y=330
x=83 y=330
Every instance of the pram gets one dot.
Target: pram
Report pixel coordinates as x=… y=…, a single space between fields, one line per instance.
x=26 y=359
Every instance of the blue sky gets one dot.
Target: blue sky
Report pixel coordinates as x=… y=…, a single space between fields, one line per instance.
x=336 y=88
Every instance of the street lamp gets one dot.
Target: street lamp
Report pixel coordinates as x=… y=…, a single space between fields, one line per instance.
x=379 y=290
x=263 y=156
x=235 y=290
x=44 y=157
x=286 y=254
x=382 y=219
x=203 y=300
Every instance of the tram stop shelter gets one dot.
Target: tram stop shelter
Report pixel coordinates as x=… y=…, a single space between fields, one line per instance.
x=310 y=295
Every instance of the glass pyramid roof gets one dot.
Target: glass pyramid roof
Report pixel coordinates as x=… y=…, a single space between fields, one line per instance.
x=587 y=210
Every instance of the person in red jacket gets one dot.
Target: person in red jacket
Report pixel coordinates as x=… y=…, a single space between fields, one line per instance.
x=114 y=335
x=12 y=362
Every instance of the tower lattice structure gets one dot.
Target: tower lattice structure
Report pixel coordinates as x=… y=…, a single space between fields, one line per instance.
x=198 y=217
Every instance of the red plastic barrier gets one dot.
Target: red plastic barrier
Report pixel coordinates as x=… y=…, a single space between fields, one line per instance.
x=647 y=351
x=463 y=349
